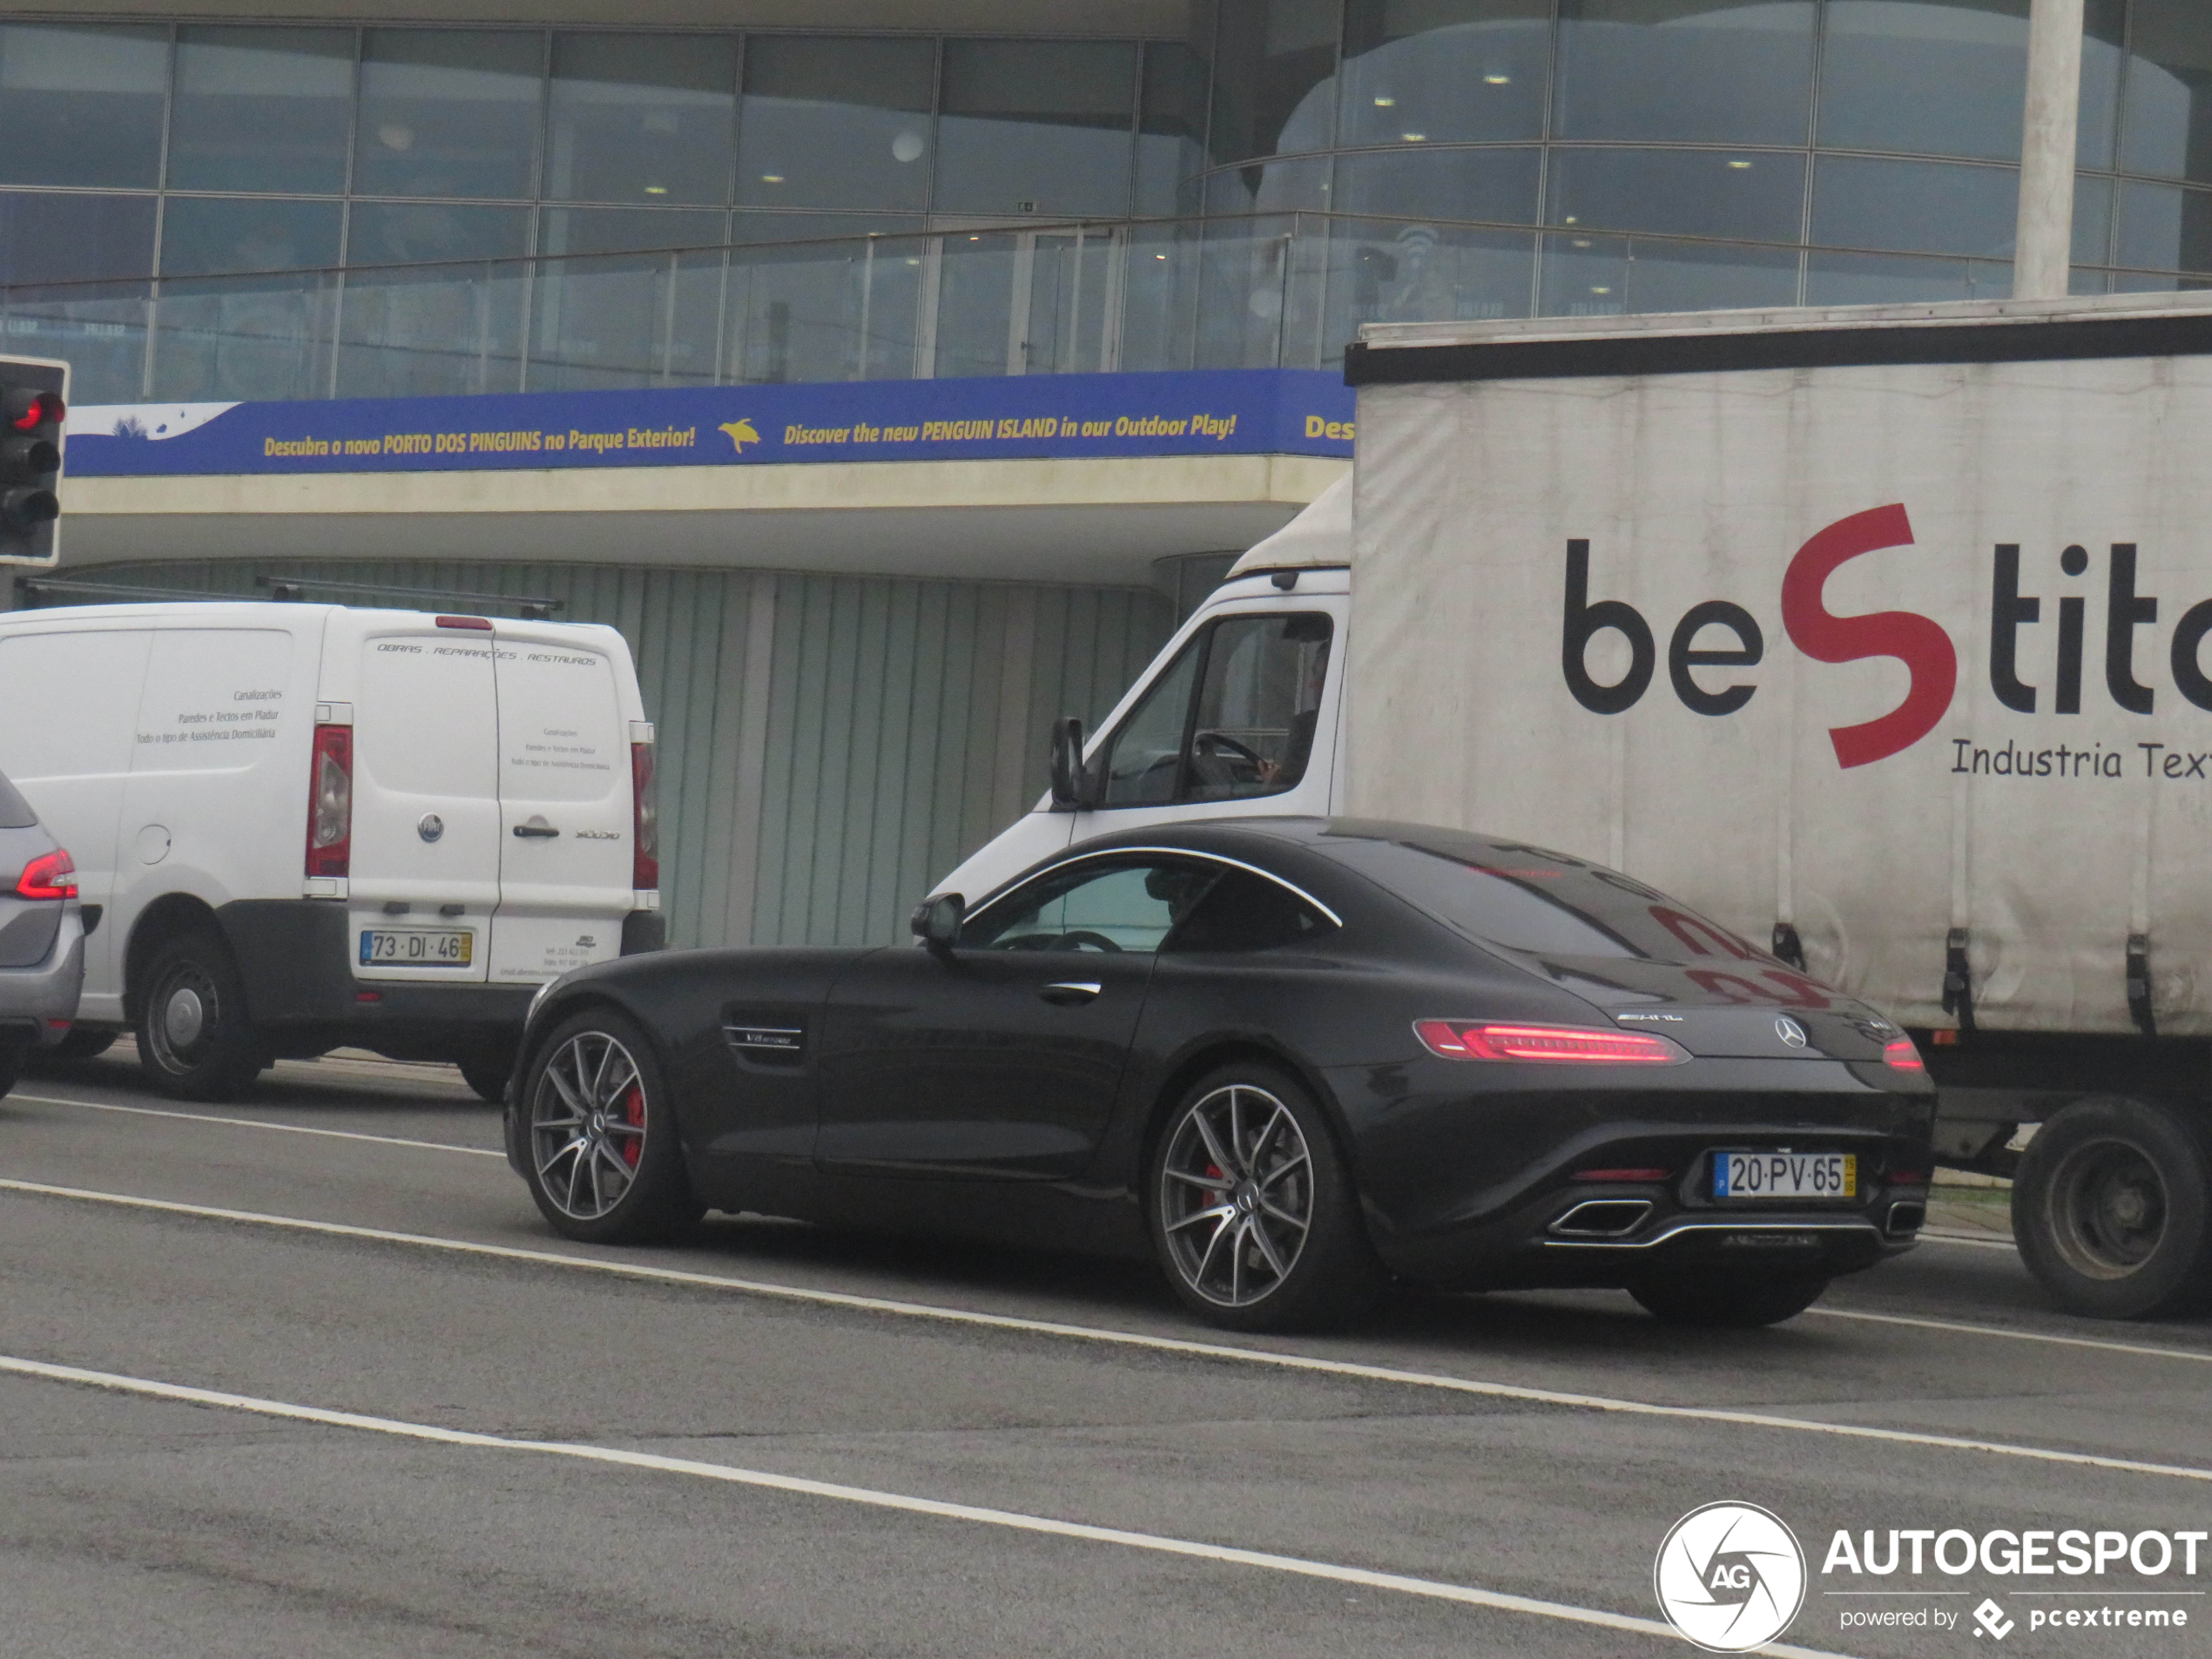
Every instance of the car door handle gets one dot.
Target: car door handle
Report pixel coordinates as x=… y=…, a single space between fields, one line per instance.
x=1068 y=993
x=536 y=830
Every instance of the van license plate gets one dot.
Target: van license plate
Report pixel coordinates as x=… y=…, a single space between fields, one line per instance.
x=1786 y=1174
x=415 y=948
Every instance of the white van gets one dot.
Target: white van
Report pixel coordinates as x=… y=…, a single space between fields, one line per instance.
x=297 y=827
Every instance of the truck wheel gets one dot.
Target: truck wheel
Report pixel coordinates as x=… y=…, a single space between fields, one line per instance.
x=1731 y=1302
x=2110 y=1208
x=194 y=1041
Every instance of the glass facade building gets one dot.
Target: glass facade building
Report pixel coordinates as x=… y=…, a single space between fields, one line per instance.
x=203 y=209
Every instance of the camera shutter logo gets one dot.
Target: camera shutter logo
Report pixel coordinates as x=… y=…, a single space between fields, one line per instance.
x=1729 y=1576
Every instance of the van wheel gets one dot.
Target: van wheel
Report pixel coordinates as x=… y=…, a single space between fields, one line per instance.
x=194 y=1039
x=603 y=1152
x=488 y=1077
x=2110 y=1210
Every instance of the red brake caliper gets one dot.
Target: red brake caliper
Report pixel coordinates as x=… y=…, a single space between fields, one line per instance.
x=633 y=1110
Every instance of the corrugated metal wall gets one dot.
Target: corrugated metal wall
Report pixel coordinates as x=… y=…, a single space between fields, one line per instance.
x=829 y=745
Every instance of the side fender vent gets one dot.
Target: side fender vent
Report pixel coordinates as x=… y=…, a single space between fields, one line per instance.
x=767 y=1042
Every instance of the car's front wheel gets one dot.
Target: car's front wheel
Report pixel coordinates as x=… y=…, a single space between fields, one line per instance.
x=1253 y=1211
x=1729 y=1301
x=604 y=1160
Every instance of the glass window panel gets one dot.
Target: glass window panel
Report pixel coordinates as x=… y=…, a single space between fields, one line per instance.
x=1257 y=705
x=1606 y=276
x=1143 y=759
x=203 y=235
x=1759 y=196
x=1446 y=69
x=830 y=121
x=2092 y=218
x=1158 y=290
x=1035 y=127
x=1274 y=89
x=1874 y=280
x=2103 y=29
x=446 y=329
x=449 y=113
x=1440 y=184
x=1421 y=273
x=261 y=108
x=642 y=118
x=976 y=304
x=80 y=103
x=1939 y=77
x=2163 y=228
x=1300 y=184
x=838 y=306
x=254 y=336
x=1731 y=71
x=2166 y=127
x=629 y=318
x=1170 y=128
x=1915 y=206
x=1132 y=907
x=55 y=237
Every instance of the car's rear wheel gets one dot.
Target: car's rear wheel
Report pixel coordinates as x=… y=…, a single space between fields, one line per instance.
x=195 y=1042
x=604 y=1156
x=83 y=1043
x=11 y=1059
x=1254 y=1215
x=2112 y=1207
x=1730 y=1301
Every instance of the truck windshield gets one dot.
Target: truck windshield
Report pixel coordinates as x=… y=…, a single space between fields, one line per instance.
x=15 y=811
x=1547 y=903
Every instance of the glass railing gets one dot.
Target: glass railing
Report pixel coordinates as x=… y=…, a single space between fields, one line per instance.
x=1279 y=290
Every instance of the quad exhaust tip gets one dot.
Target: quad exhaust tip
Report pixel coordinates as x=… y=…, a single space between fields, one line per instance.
x=1602 y=1218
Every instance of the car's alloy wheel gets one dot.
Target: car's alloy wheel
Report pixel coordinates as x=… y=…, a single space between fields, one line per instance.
x=605 y=1159
x=1252 y=1208
x=1236 y=1195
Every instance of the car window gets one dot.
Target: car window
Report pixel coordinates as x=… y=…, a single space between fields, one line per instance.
x=1242 y=911
x=1119 y=907
x=1249 y=731
x=1257 y=705
x=15 y=811
x=1526 y=899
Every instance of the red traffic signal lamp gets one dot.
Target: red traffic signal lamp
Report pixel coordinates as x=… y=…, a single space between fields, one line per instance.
x=33 y=405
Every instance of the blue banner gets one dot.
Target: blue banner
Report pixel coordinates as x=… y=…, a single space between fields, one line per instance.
x=1040 y=416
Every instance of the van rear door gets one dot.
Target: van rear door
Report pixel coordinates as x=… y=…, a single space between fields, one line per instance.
x=424 y=877
x=565 y=858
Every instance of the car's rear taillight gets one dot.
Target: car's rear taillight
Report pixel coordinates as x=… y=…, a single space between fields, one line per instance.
x=330 y=802
x=1902 y=1056
x=645 y=864
x=50 y=875
x=1459 y=1040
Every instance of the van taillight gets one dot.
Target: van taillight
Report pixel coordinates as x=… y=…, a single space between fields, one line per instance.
x=50 y=875
x=645 y=864
x=330 y=802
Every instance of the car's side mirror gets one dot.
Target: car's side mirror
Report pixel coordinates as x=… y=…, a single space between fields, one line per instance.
x=936 y=921
x=1068 y=791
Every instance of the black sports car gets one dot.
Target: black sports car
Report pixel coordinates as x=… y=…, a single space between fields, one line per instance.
x=1285 y=1056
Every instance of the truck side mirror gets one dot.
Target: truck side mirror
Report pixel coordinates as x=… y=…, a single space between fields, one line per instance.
x=936 y=921
x=1068 y=792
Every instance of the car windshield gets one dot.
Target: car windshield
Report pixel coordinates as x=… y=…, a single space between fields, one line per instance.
x=15 y=811
x=1527 y=899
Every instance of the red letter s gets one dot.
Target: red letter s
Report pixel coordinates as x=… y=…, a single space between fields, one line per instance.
x=1914 y=640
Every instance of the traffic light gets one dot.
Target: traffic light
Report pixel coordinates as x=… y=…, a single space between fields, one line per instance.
x=33 y=401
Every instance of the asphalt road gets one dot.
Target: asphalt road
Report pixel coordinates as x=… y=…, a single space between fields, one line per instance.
x=268 y=1393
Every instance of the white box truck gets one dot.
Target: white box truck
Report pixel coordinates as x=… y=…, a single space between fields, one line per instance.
x=297 y=827
x=1876 y=634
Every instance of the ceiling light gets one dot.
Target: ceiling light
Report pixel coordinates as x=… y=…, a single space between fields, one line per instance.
x=1414 y=137
x=1570 y=219
x=1601 y=290
x=1159 y=256
x=1581 y=241
x=656 y=189
x=1384 y=103
x=1497 y=80
x=771 y=178
x=1741 y=166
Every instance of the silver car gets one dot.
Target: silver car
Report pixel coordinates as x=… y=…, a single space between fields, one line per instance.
x=42 y=937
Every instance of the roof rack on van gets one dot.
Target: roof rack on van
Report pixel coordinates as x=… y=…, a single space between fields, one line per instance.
x=533 y=607
x=36 y=588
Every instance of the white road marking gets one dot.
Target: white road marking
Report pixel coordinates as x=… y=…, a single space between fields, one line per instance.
x=2101 y=1344
x=1971 y=1239
x=1013 y=1520
x=1135 y=1339
x=254 y=1122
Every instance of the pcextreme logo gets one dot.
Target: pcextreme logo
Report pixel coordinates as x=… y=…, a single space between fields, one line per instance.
x=1729 y=1576
x=1919 y=642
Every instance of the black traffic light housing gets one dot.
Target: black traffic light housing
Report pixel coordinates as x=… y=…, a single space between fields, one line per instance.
x=33 y=404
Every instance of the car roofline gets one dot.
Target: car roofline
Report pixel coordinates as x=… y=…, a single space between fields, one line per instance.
x=1093 y=852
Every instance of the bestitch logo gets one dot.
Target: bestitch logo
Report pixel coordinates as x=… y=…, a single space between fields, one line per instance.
x=1919 y=642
